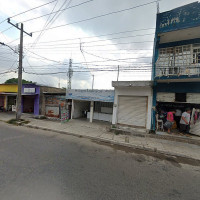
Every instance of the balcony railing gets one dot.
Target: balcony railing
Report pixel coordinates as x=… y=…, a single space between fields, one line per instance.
x=177 y=70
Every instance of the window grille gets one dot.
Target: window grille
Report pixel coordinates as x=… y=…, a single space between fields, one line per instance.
x=179 y=60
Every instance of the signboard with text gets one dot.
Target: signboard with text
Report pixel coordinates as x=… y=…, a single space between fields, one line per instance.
x=91 y=95
x=29 y=90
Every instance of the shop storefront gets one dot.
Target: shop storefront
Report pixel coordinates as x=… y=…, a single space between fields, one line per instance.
x=178 y=97
x=91 y=104
x=132 y=105
x=30 y=98
x=8 y=95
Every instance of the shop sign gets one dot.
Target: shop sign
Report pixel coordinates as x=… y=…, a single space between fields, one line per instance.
x=29 y=90
x=91 y=95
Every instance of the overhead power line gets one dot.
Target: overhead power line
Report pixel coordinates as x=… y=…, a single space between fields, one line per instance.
x=95 y=36
x=123 y=37
x=99 y=16
x=108 y=59
x=45 y=25
x=89 y=61
x=114 y=44
x=28 y=10
x=84 y=71
x=6 y=72
x=92 y=64
x=58 y=11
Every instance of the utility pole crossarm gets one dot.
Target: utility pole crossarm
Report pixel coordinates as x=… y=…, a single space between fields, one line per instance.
x=16 y=26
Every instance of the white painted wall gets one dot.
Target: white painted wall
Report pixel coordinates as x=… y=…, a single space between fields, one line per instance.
x=106 y=110
x=78 y=107
x=101 y=116
x=133 y=91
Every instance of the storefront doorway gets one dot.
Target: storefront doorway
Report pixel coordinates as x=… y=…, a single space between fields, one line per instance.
x=2 y=103
x=11 y=101
x=28 y=104
x=163 y=107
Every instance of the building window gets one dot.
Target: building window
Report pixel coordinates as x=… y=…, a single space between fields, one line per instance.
x=179 y=60
x=180 y=97
x=196 y=55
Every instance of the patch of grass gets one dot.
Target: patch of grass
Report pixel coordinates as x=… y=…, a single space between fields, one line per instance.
x=40 y=117
x=17 y=122
x=113 y=126
x=116 y=132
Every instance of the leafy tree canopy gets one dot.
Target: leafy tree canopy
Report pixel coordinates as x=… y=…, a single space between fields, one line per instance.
x=15 y=80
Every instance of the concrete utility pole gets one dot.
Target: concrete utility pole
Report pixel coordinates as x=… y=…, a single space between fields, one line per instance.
x=118 y=73
x=70 y=74
x=158 y=7
x=92 y=81
x=19 y=93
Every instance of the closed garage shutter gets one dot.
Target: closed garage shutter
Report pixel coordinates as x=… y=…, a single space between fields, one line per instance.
x=52 y=111
x=132 y=111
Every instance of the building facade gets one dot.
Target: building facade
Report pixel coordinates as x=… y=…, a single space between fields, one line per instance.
x=35 y=99
x=8 y=94
x=91 y=104
x=176 y=61
x=132 y=104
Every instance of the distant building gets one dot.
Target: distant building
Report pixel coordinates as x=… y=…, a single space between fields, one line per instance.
x=34 y=98
x=91 y=104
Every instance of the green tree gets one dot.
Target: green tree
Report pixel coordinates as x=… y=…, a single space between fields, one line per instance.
x=15 y=81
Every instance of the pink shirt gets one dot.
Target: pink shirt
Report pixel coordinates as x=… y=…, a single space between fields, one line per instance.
x=170 y=116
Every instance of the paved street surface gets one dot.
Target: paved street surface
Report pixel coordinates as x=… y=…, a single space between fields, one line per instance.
x=99 y=131
x=43 y=165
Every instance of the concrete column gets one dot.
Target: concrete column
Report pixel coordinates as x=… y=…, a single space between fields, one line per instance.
x=91 y=110
x=36 y=105
x=6 y=103
x=153 y=113
x=43 y=104
x=114 y=116
x=72 y=110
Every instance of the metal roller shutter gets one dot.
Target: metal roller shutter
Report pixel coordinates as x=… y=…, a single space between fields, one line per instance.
x=52 y=111
x=132 y=111
x=165 y=97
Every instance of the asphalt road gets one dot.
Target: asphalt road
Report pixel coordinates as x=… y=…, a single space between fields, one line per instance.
x=40 y=165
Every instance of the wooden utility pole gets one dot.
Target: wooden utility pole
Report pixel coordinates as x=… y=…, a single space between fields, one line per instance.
x=19 y=93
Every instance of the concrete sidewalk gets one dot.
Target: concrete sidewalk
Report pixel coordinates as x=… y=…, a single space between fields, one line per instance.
x=99 y=131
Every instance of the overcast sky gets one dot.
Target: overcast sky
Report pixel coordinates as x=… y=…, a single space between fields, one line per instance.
x=123 y=39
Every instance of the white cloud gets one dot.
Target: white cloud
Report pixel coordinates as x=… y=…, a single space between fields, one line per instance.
x=139 y=18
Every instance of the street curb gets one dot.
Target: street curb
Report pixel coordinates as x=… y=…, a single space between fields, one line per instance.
x=156 y=136
x=113 y=142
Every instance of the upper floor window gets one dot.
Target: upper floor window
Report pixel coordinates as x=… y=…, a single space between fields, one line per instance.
x=179 y=60
x=196 y=55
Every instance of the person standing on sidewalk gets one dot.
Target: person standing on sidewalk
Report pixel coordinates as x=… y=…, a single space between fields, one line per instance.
x=178 y=117
x=170 y=121
x=185 y=121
